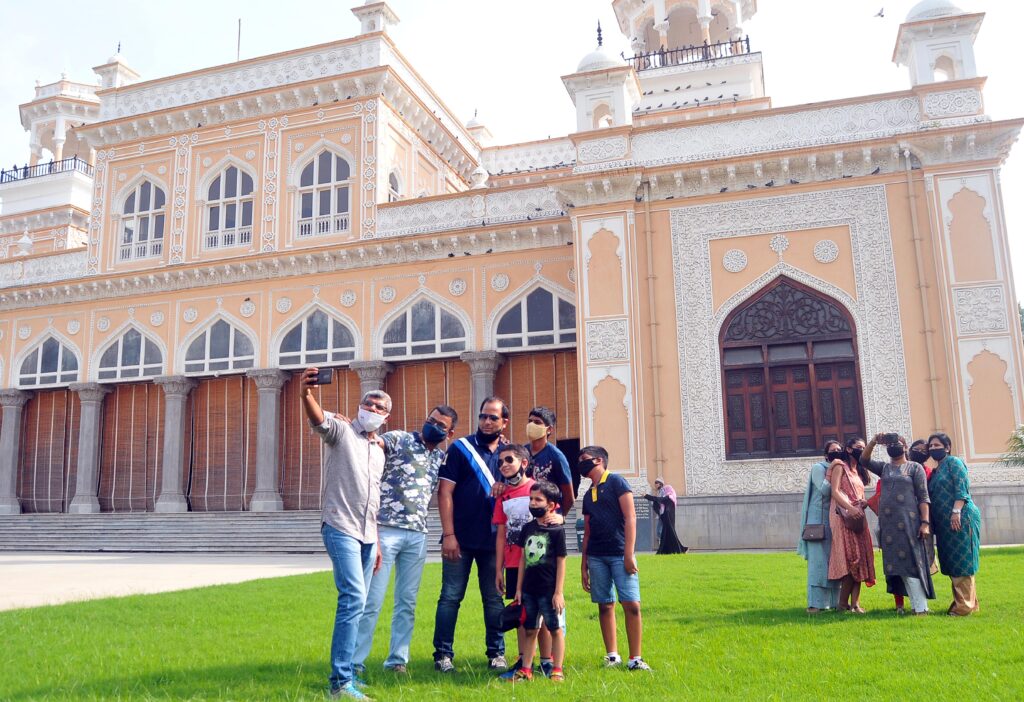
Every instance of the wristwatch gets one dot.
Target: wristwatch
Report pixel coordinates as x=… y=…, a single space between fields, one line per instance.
x=956 y=511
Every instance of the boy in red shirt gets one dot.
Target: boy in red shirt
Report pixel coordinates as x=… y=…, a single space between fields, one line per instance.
x=511 y=514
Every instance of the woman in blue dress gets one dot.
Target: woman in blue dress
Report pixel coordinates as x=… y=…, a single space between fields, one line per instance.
x=822 y=593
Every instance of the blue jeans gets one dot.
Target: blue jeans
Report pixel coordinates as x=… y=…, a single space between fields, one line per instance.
x=606 y=571
x=353 y=567
x=454 y=579
x=406 y=551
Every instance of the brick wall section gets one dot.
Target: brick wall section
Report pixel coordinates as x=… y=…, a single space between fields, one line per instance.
x=550 y=379
x=131 y=448
x=222 y=470
x=301 y=473
x=49 y=451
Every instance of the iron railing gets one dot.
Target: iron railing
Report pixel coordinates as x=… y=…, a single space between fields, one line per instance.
x=41 y=169
x=660 y=58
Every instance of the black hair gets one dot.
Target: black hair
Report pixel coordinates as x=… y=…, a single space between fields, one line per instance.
x=447 y=411
x=596 y=452
x=829 y=442
x=495 y=398
x=544 y=414
x=919 y=441
x=550 y=491
x=865 y=476
x=943 y=437
x=521 y=452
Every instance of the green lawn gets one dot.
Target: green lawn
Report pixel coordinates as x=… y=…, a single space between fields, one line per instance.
x=716 y=626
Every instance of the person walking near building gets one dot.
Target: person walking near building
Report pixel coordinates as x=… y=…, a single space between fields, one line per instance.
x=664 y=502
x=466 y=508
x=413 y=460
x=609 y=565
x=353 y=464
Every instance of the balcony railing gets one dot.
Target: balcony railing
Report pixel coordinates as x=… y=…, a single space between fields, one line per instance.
x=41 y=169
x=142 y=249
x=682 y=56
x=324 y=224
x=229 y=237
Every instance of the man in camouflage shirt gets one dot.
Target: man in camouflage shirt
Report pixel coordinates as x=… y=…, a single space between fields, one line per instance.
x=410 y=478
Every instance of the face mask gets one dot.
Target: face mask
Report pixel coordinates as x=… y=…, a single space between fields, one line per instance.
x=937 y=454
x=370 y=421
x=514 y=480
x=535 y=431
x=432 y=433
x=917 y=455
x=586 y=466
x=857 y=453
x=836 y=455
x=538 y=512
x=487 y=438
x=894 y=451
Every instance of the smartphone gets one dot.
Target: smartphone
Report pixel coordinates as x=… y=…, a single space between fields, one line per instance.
x=891 y=438
x=324 y=376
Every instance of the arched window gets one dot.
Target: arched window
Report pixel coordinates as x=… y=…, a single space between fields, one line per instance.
x=317 y=339
x=324 y=196
x=142 y=222
x=789 y=374
x=539 y=319
x=221 y=347
x=50 y=363
x=424 y=329
x=394 y=188
x=229 y=206
x=132 y=355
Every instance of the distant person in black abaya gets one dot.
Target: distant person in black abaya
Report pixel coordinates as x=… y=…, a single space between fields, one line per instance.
x=665 y=503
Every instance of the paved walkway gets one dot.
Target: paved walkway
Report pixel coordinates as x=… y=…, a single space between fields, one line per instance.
x=34 y=579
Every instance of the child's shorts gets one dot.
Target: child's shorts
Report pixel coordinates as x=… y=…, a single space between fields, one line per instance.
x=606 y=571
x=511 y=581
x=538 y=606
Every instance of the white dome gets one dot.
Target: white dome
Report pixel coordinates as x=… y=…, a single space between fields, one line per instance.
x=932 y=9
x=597 y=59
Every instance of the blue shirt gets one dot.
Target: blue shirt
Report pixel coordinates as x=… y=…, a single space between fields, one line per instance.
x=550 y=464
x=472 y=506
x=607 y=523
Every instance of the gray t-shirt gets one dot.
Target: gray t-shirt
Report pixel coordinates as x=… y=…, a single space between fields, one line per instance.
x=353 y=467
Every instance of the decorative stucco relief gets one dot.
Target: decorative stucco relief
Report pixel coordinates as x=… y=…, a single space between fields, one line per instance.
x=603 y=149
x=953 y=103
x=875 y=313
x=46 y=269
x=467 y=211
x=734 y=260
x=528 y=157
x=979 y=310
x=607 y=340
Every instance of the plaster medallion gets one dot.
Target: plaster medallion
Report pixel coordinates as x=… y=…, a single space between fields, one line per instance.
x=247 y=309
x=320 y=115
x=103 y=324
x=499 y=282
x=346 y=138
x=572 y=275
x=142 y=148
x=272 y=122
x=24 y=332
x=387 y=294
x=74 y=326
x=348 y=298
x=826 y=251
x=250 y=155
x=182 y=151
x=207 y=162
x=284 y=304
x=734 y=260
x=779 y=244
x=191 y=314
x=157 y=318
x=421 y=279
x=173 y=141
x=162 y=170
x=122 y=177
x=457 y=287
x=537 y=267
x=299 y=146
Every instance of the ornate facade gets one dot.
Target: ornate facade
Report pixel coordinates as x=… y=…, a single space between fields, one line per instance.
x=707 y=285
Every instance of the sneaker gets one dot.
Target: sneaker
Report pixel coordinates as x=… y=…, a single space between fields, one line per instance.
x=521 y=675
x=900 y=611
x=612 y=661
x=349 y=691
x=638 y=664
x=547 y=667
x=444 y=665
x=498 y=662
x=398 y=669
x=511 y=672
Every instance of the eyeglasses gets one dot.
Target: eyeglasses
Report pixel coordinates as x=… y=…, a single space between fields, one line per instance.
x=511 y=459
x=493 y=417
x=376 y=407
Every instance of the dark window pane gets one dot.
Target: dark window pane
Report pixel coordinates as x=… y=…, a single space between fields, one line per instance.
x=243 y=345
x=129 y=233
x=512 y=321
x=318 y=357
x=566 y=315
x=152 y=354
x=393 y=182
x=736 y=411
x=292 y=340
x=323 y=174
x=827 y=407
x=51 y=349
x=68 y=362
x=143 y=229
x=423 y=349
x=129 y=372
x=307 y=176
x=131 y=348
x=342 y=169
x=450 y=346
x=106 y=374
x=144 y=193
x=451 y=327
x=509 y=343
x=229 y=216
x=197 y=349
x=542 y=340
x=214 y=193
x=307 y=205
x=788 y=352
x=158 y=227
x=158 y=198
x=757 y=411
x=218 y=365
x=342 y=200
x=129 y=204
x=220 y=338
x=246 y=184
x=423 y=321
x=781 y=409
x=394 y=352
x=316 y=331
x=247 y=213
x=342 y=337
x=832 y=349
x=231 y=182
x=567 y=338
x=214 y=219
x=109 y=358
x=736 y=357
x=396 y=332
x=325 y=203
x=343 y=355
x=539 y=311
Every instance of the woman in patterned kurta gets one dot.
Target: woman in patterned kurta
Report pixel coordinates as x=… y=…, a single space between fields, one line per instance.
x=957 y=523
x=852 y=559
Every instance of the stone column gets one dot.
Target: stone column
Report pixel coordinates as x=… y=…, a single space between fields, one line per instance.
x=13 y=402
x=371 y=374
x=176 y=390
x=87 y=480
x=59 y=137
x=482 y=367
x=266 y=497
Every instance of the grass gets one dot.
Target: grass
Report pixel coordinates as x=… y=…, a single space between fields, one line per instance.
x=716 y=626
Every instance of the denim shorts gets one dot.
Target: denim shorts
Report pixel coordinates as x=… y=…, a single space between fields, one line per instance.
x=538 y=606
x=606 y=571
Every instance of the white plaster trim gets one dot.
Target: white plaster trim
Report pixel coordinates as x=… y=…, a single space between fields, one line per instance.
x=110 y=339
x=201 y=326
x=47 y=331
x=875 y=313
x=217 y=169
x=515 y=297
x=414 y=297
x=283 y=328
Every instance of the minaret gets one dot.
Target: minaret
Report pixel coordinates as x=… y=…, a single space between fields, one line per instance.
x=603 y=88
x=936 y=42
x=115 y=72
x=375 y=17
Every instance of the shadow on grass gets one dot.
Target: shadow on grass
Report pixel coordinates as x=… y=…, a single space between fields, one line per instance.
x=780 y=616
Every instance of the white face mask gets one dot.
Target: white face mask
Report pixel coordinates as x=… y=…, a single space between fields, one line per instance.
x=370 y=421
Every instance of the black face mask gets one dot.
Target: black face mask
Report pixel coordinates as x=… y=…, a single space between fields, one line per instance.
x=586 y=466
x=937 y=454
x=836 y=455
x=857 y=453
x=894 y=451
x=917 y=455
x=538 y=512
x=487 y=438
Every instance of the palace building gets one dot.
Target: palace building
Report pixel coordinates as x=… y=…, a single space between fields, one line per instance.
x=706 y=284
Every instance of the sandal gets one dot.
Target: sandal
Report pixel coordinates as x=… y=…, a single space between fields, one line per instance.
x=557 y=675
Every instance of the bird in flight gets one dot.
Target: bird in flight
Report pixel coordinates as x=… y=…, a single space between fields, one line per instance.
x=880 y=13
